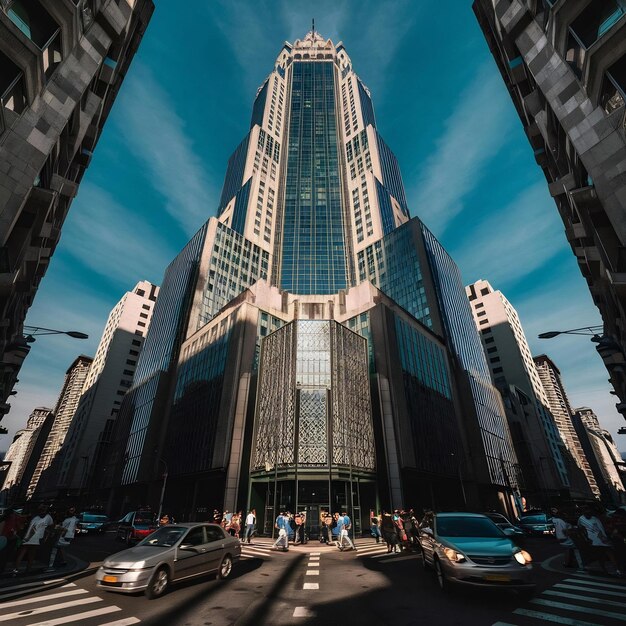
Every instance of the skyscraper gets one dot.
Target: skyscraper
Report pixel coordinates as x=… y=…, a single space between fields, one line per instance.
x=561 y=410
x=564 y=65
x=312 y=346
x=63 y=64
x=63 y=413
x=538 y=442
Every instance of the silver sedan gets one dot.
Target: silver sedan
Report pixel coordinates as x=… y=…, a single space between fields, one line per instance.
x=171 y=553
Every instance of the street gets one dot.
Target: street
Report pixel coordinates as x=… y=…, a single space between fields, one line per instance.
x=315 y=584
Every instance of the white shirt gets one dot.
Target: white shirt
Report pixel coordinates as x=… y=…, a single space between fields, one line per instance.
x=69 y=524
x=595 y=530
x=560 y=528
x=37 y=529
x=250 y=519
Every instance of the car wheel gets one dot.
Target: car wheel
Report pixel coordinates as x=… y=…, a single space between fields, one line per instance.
x=225 y=568
x=441 y=579
x=158 y=584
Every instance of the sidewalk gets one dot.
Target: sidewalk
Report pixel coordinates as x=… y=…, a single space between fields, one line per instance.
x=38 y=573
x=555 y=564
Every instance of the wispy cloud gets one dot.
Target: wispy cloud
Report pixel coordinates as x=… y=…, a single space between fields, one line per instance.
x=513 y=242
x=473 y=134
x=126 y=249
x=157 y=136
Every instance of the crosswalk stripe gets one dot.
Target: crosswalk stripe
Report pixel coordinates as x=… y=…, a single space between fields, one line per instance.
x=127 y=621
x=551 y=617
x=578 y=608
x=592 y=577
x=595 y=584
x=78 y=616
x=52 y=596
x=45 y=609
x=603 y=592
x=33 y=589
x=256 y=550
x=583 y=598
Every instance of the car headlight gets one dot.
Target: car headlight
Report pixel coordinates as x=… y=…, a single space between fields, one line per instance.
x=453 y=555
x=139 y=565
x=522 y=557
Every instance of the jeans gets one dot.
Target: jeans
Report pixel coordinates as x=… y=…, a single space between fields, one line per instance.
x=249 y=532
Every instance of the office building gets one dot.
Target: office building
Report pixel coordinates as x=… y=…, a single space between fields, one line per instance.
x=312 y=346
x=23 y=453
x=539 y=446
x=63 y=63
x=604 y=458
x=561 y=410
x=564 y=65
x=63 y=413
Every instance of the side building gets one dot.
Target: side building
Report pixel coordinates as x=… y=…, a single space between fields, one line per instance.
x=23 y=453
x=539 y=446
x=605 y=460
x=63 y=64
x=109 y=378
x=315 y=275
x=564 y=65
x=71 y=391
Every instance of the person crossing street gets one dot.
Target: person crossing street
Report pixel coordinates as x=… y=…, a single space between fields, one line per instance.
x=345 y=524
x=283 y=537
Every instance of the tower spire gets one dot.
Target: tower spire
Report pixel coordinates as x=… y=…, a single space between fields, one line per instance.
x=313 y=27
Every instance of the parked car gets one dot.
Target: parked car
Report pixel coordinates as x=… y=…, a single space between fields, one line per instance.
x=172 y=553
x=469 y=549
x=536 y=523
x=91 y=522
x=514 y=533
x=135 y=526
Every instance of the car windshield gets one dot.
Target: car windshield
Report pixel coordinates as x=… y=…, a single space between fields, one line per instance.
x=165 y=537
x=143 y=518
x=540 y=518
x=94 y=518
x=467 y=527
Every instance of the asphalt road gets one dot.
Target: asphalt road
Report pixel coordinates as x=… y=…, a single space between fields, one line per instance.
x=320 y=585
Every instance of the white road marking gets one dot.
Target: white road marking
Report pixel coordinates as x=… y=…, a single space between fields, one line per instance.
x=312 y=572
x=594 y=584
x=314 y=558
x=313 y=565
x=55 y=607
x=59 y=621
x=127 y=621
x=583 y=598
x=315 y=553
x=302 y=611
x=603 y=592
x=52 y=596
x=550 y=617
x=577 y=607
x=311 y=586
x=597 y=578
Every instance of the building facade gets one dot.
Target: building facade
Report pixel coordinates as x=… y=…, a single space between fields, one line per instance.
x=108 y=379
x=539 y=446
x=23 y=453
x=561 y=410
x=63 y=63
x=564 y=64
x=63 y=413
x=312 y=260
x=604 y=458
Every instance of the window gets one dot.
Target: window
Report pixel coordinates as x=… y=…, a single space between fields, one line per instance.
x=128 y=372
x=136 y=342
x=133 y=352
x=141 y=324
x=214 y=534
x=484 y=292
x=138 y=332
x=495 y=359
x=146 y=307
x=479 y=305
x=130 y=362
x=483 y=322
x=489 y=340
x=195 y=537
x=613 y=94
x=481 y=313
x=492 y=350
x=497 y=370
x=143 y=316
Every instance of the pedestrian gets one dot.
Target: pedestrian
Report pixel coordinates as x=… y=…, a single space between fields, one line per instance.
x=388 y=530
x=250 y=523
x=34 y=537
x=235 y=525
x=562 y=531
x=165 y=520
x=11 y=525
x=374 y=527
x=334 y=528
x=600 y=543
x=327 y=535
x=299 y=528
x=283 y=538
x=344 y=535
x=67 y=533
x=400 y=532
x=217 y=517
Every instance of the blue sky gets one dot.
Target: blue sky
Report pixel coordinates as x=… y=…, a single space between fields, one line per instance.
x=440 y=104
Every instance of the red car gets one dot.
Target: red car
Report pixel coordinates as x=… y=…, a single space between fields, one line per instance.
x=136 y=525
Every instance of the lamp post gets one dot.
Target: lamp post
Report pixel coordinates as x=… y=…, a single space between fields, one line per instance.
x=589 y=331
x=162 y=490
x=36 y=331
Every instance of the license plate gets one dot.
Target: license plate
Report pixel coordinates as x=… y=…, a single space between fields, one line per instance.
x=498 y=578
x=110 y=579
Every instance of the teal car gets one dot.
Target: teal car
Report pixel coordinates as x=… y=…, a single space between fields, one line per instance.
x=469 y=549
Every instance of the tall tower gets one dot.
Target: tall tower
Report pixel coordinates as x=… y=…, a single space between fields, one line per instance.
x=313 y=235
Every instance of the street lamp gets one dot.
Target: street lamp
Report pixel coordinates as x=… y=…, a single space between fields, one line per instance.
x=35 y=331
x=162 y=490
x=589 y=331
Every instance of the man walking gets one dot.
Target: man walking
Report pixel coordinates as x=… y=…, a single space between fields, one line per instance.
x=250 y=523
x=345 y=525
x=562 y=533
x=67 y=533
x=283 y=538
